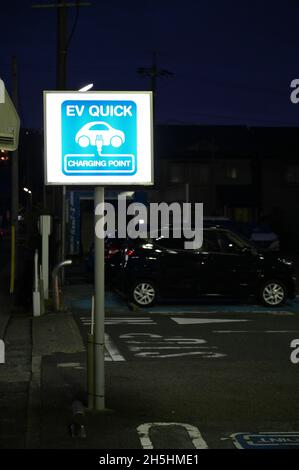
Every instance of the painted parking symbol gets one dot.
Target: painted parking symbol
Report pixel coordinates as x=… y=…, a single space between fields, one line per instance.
x=267 y=440
x=154 y=346
x=195 y=438
x=99 y=137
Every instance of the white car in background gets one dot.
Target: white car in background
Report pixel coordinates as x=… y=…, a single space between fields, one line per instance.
x=264 y=238
x=94 y=131
x=261 y=234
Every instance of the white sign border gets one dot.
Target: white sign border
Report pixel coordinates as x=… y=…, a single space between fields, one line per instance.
x=118 y=183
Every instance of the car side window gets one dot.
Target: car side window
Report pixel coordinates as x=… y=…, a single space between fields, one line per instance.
x=210 y=242
x=232 y=243
x=170 y=243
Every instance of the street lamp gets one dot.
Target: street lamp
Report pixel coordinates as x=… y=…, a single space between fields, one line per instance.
x=30 y=196
x=87 y=87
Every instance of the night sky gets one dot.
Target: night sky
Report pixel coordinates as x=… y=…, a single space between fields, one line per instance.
x=232 y=60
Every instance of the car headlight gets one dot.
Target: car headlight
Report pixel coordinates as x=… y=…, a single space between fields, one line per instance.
x=287 y=262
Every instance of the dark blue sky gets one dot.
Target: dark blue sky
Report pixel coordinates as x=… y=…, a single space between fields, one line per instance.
x=232 y=60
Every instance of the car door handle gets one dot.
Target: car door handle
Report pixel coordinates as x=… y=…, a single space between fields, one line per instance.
x=203 y=257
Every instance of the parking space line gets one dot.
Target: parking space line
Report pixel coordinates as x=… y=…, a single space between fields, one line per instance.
x=256 y=331
x=203 y=321
x=112 y=350
x=122 y=320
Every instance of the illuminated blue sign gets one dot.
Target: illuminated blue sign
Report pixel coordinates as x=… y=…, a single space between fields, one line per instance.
x=98 y=137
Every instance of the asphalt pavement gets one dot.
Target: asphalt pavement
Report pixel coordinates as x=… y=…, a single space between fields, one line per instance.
x=4 y=286
x=179 y=378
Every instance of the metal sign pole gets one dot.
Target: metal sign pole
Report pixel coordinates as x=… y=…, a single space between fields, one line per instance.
x=99 y=326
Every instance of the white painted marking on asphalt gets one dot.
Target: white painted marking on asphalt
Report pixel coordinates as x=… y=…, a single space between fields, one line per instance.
x=205 y=354
x=121 y=320
x=156 y=339
x=68 y=364
x=186 y=312
x=137 y=348
x=202 y=321
x=196 y=438
x=137 y=343
x=112 y=350
x=225 y=311
x=281 y=312
x=256 y=331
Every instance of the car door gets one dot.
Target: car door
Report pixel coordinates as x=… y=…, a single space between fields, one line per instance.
x=208 y=277
x=236 y=266
x=225 y=265
x=176 y=266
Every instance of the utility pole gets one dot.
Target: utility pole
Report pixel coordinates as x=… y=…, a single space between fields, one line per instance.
x=61 y=77
x=63 y=42
x=14 y=188
x=154 y=72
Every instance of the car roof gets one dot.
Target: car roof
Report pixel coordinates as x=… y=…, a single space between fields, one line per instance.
x=159 y=232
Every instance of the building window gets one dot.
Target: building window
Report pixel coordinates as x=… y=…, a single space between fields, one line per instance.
x=176 y=173
x=203 y=173
x=292 y=174
x=231 y=173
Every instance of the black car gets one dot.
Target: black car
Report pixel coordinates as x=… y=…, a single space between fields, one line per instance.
x=113 y=247
x=226 y=265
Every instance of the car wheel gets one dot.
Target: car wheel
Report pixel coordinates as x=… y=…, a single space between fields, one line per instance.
x=143 y=293
x=84 y=141
x=116 y=141
x=273 y=294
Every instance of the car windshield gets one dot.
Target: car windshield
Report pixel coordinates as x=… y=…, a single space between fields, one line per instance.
x=237 y=240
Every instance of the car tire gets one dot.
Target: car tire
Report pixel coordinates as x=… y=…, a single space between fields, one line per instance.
x=116 y=141
x=84 y=141
x=143 y=293
x=273 y=293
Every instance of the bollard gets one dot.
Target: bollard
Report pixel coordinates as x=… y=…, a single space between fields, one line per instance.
x=78 y=420
x=90 y=360
x=42 y=293
x=36 y=291
x=90 y=371
x=55 y=283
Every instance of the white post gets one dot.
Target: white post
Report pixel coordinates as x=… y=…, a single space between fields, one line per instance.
x=45 y=231
x=99 y=317
x=36 y=292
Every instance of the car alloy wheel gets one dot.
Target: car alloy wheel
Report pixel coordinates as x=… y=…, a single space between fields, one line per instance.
x=144 y=294
x=273 y=294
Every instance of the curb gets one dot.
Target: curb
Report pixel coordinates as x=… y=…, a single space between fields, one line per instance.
x=4 y=323
x=32 y=439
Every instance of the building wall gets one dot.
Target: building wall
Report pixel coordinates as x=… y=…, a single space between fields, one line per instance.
x=280 y=198
x=190 y=179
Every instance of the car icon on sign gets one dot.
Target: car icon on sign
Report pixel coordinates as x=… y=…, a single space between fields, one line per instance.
x=93 y=131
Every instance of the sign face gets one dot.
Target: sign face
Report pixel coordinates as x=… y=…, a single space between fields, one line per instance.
x=274 y=440
x=2 y=92
x=98 y=138
x=9 y=121
x=2 y=352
